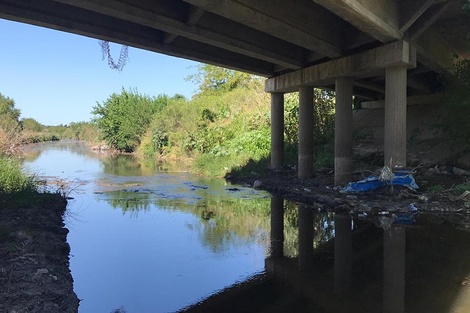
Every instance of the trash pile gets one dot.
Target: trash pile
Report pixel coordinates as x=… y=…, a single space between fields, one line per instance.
x=405 y=179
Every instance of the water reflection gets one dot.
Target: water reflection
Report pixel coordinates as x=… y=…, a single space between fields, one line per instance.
x=367 y=267
x=128 y=165
x=218 y=225
x=34 y=151
x=155 y=243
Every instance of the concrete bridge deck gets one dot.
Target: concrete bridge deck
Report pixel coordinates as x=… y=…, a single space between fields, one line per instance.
x=375 y=50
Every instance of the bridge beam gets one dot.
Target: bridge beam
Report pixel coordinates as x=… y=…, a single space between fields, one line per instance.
x=270 y=17
x=379 y=19
x=365 y=64
x=162 y=17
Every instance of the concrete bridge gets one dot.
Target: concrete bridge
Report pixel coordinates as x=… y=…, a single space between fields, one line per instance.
x=376 y=50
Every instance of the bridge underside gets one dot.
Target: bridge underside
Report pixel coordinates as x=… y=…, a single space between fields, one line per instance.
x=375 y=50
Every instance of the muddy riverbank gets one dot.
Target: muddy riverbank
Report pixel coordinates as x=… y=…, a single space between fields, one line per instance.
x=440 y=190
x=34 y=256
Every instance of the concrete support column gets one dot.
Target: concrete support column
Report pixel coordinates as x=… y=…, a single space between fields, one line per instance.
x=343 y=254
x=394 y=270
x=343 y=130
x=277 y=130
x=395 y=115
x=305 y=238
x=305 y=132
x=277 y=226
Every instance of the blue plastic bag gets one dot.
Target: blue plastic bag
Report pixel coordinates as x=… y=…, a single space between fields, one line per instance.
x=373 y=183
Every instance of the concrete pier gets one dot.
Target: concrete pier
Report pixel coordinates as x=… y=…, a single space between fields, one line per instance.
x=343 y=130
x=306 y=125
x=277 y=130
x=395 y=115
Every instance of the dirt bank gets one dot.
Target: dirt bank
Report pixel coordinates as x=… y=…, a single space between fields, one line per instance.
x=34 y=256
x=440 y=190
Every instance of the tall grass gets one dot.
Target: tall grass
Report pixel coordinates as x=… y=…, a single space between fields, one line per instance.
x=13 y=178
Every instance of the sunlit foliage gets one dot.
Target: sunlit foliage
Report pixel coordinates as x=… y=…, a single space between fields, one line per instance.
x=123 y=118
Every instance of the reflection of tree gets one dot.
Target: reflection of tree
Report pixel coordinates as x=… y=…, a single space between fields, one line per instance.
x=323 y=226
x=31 y=156
x=127 y=165
x=225 y=222
x=33 y=151
x=129 y=202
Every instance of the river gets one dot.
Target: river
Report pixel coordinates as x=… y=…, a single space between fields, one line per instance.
x=149 y=239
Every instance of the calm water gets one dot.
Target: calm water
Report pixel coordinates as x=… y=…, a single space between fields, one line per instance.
x=147 y=240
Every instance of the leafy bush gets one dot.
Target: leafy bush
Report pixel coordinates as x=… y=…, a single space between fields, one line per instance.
x=123 y=118
x=10 y=127
x=227 y=125
x=455 y=110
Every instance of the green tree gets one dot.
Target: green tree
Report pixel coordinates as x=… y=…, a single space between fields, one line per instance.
x=214 y=79
x=9 y=115
x=123 y=118
x=31 y=124
x=10 y=127
x=455 y=109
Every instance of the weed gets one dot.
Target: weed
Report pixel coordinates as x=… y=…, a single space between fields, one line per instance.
x=435 y=189
x=461 y=188
x=13 y=178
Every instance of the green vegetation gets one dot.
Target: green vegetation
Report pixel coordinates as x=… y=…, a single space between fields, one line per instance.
x=12 y=177
x=455 y=110
x=226 y=126
x=15 y=132
x=17 y=187
x=9 y=125
x=123 y=118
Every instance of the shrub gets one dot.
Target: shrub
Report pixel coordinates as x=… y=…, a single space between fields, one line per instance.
x=124 y=118
x=455 y=110
x=13 y=178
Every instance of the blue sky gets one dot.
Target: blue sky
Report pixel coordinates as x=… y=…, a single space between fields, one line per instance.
x=57 y=77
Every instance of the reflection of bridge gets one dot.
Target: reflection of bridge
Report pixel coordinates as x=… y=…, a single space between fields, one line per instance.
x=387 y=49
x=365 y=269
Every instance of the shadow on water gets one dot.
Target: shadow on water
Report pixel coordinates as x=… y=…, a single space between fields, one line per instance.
x=347 y=265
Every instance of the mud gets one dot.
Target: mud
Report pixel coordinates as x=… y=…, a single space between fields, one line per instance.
x=439 y=191
x=34 y=257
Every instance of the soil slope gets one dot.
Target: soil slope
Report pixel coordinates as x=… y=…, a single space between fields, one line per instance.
x=34 y=257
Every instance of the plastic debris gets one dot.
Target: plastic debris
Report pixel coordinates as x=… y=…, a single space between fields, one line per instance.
x=362 y=215
x=413 y=208
x=374 y=182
